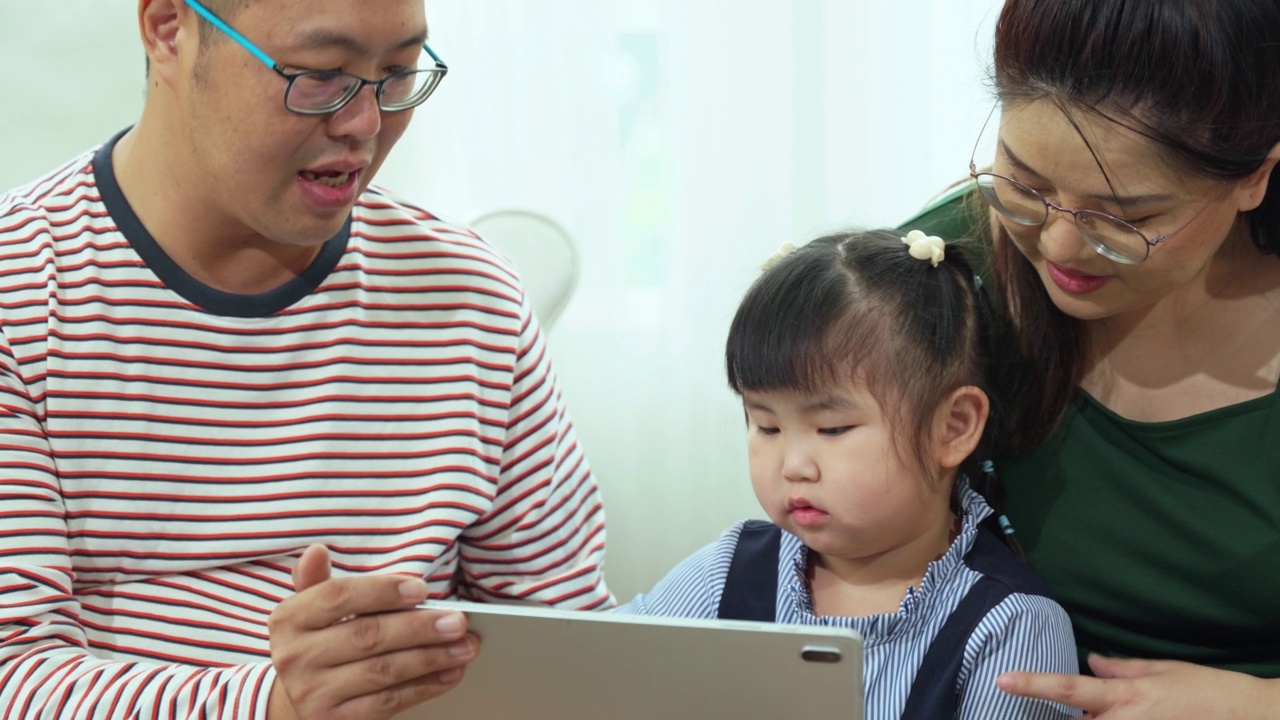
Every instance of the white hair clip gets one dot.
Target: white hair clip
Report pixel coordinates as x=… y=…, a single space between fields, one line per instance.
x=775 y=258
x=925 y=247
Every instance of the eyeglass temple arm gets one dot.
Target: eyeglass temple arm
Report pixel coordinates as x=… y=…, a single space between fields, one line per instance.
x=230 y=31
x=434 y=56
x=257 y=51
x=973 y=168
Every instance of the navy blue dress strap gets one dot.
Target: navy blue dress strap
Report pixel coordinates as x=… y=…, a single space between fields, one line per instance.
x=934 y=693
x=750 y=593
x=751 y=588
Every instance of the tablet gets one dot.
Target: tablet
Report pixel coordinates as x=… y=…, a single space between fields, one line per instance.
x=537 y=663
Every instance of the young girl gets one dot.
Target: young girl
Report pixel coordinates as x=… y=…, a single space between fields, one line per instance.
x=861 y=361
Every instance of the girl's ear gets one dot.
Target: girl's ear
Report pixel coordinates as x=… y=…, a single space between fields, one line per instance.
x=1254 y=188
x=958 y=425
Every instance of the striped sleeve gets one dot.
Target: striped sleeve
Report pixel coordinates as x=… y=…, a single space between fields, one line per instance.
x=1025 y=632
x=543 y=539
x=693 y=588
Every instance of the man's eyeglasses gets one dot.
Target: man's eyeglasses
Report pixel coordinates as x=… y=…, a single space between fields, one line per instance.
x=321 y=92
x=1110 y=236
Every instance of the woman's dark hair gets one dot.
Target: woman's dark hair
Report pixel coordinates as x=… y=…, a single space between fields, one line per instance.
x=1199 y=78
x=856 y=306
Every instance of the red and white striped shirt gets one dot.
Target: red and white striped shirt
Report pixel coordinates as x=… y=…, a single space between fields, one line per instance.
x=167 y=450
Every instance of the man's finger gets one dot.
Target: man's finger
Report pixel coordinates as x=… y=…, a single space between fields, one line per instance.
x=403 y=696
x=372 y=635
x=391 y=669
x=312 y=568
x=322 y=605
x=1093 y=695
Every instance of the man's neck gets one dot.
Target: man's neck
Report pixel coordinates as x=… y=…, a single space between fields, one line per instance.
x=186 y=223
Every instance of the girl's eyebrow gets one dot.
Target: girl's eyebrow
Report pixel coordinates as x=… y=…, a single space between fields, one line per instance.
x=817 y=403
x=1126 y=200
x=828 y=402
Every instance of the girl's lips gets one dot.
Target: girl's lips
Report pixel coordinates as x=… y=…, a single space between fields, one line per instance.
x=1074 y=282
x=806 y=516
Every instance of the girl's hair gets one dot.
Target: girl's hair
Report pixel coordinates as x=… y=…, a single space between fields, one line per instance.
x=856 y=306
x=1198 y=78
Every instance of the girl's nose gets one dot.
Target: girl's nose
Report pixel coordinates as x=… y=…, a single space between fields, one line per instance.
x=798 y=465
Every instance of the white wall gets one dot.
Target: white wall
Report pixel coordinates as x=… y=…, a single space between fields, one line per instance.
x=680 y=141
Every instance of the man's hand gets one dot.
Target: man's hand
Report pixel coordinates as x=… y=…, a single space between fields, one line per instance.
x=353 y=648
x=1152 y=690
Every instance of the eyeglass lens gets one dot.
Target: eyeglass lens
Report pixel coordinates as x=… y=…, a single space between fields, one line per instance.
x=1025 y=206
x=316 y=91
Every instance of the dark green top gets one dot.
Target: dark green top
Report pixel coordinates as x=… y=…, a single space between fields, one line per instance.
x=1161 y=540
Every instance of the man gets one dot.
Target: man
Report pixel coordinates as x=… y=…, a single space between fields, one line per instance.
x=220 y=348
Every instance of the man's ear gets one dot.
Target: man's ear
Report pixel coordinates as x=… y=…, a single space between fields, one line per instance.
x=958 y=425
x=161 y=25
x=1254 y=188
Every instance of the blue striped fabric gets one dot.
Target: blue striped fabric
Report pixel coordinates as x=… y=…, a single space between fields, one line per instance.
x=1024 y=632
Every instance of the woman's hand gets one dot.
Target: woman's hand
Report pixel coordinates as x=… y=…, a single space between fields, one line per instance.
x=1151 y=690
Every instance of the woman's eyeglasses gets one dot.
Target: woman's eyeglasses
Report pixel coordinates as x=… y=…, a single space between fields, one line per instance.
x=1110 y=236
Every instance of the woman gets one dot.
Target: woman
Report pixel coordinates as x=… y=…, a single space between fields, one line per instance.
x=1135 y=220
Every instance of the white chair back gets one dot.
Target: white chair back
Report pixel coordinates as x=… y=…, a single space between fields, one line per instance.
x=543 y=253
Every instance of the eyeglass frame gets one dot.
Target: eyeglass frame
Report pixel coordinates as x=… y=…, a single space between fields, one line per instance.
x=440 y=68
x=1075 y=213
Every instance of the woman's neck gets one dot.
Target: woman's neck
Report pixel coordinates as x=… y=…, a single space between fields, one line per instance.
x=1214 y=343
